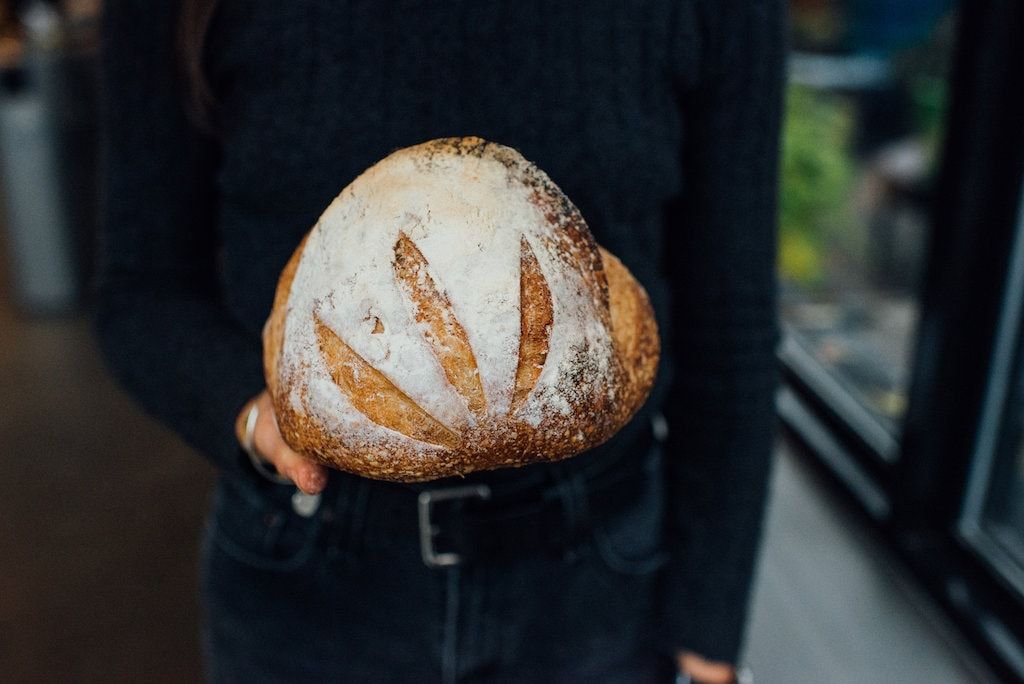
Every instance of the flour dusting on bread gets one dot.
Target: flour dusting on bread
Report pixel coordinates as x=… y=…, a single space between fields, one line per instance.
x=411 y=287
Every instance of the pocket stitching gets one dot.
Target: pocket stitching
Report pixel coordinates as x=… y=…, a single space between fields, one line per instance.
x=224 y=541
x=237 y=549
x=615 y=562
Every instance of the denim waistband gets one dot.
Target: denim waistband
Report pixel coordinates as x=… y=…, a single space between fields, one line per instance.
x=353 y=507
x=340 y=519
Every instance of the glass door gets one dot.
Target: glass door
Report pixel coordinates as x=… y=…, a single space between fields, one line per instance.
x=866 y=114
x=902 y=271
x=992 y=520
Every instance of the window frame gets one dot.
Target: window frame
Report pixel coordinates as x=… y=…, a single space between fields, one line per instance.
x=916 y=492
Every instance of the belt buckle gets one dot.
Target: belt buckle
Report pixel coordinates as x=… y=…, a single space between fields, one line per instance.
x=428 y=530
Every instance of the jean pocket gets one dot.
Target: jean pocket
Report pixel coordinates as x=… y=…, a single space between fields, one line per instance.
x=626 y=556
x=257 y=533
x=630 y=543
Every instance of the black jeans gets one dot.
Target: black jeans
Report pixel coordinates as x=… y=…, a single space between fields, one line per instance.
x=290 y=599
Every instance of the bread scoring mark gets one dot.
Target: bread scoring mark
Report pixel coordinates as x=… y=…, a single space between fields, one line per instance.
x=571 y=240
x=376 y=397
x=536 y=316
x=439 y=325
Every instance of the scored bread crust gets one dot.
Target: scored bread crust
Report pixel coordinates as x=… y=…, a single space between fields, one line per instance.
x=586 y=402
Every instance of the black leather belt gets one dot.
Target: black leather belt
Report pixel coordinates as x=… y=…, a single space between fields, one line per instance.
x=472 y=522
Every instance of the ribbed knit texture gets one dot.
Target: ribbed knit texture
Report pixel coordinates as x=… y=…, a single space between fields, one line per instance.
x=658 y=119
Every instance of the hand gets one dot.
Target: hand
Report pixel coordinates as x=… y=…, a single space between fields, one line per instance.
x=308 y=476
x=705 y=671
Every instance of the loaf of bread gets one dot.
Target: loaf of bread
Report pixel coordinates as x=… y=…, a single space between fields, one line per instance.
x=451 y=312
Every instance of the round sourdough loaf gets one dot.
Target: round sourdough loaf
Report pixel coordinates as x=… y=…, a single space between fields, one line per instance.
x=450 y=312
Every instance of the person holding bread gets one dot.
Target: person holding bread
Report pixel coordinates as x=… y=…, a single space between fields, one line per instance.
x=473 y=306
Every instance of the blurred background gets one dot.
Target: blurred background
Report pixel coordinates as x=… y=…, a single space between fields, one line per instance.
x=895 y=539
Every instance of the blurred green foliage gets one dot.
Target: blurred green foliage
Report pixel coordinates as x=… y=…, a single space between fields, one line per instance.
x=817 y=174
x=924 y=69
x=928 y=99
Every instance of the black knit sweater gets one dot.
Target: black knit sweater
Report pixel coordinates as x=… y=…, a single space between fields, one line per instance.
x=658 y=118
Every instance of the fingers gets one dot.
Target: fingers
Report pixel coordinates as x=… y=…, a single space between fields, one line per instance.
x=704 y=670
x=308 y=476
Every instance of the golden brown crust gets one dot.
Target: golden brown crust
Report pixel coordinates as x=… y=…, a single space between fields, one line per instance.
x=491 y=441
x=634 y=331
x=536 y=315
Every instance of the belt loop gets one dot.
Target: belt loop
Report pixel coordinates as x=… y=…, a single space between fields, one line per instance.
x=357 y=529
x=340 y=500
x=346 y=513
x=573 y=494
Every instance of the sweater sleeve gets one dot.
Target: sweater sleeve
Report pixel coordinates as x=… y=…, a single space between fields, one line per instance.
x=720 y=409
x=160 y=320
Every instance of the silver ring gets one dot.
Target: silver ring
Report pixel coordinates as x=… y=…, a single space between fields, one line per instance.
x=249 y=446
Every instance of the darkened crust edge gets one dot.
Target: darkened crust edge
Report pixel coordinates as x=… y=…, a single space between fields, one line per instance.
x=512 y=442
